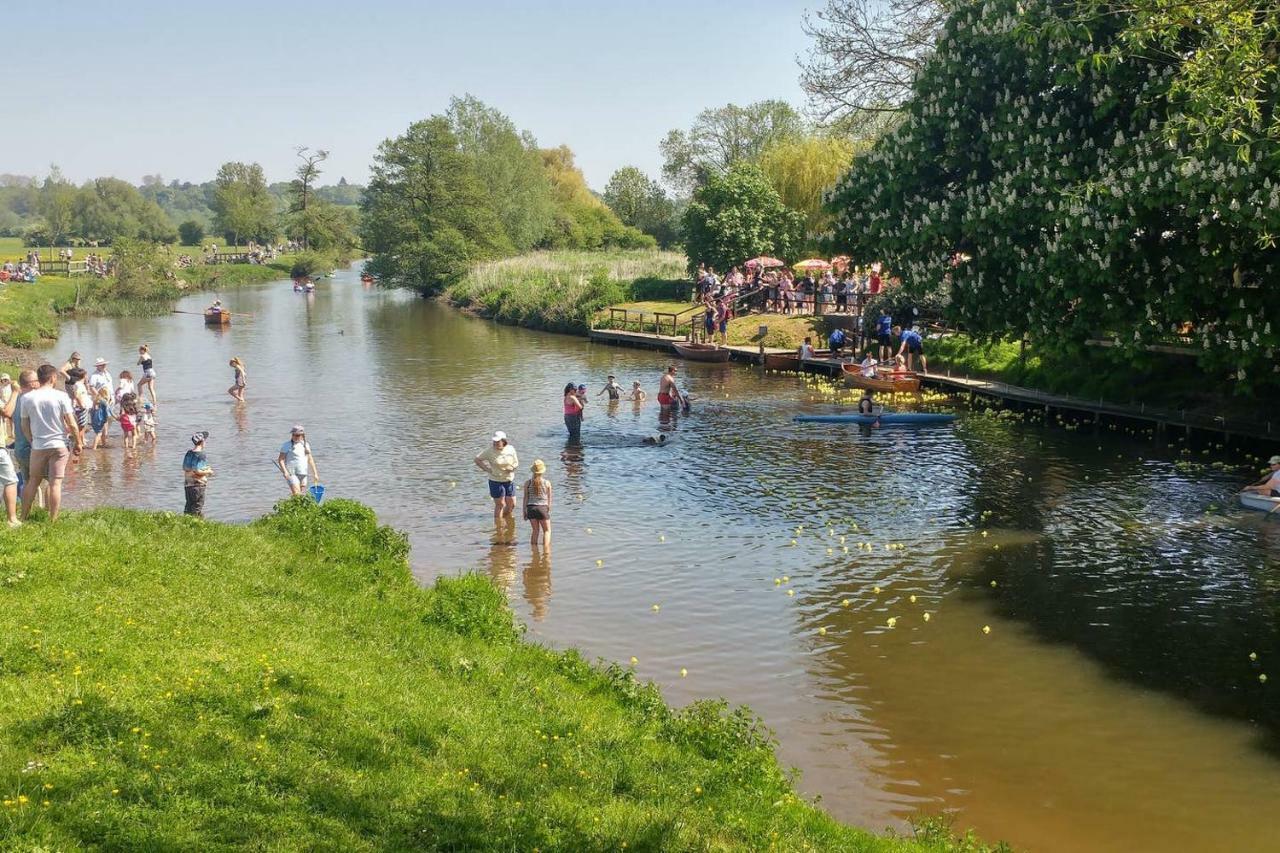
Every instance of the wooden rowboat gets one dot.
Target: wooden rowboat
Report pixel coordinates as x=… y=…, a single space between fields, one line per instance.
x=907 y=383
x=217 y=318
x=700 y=352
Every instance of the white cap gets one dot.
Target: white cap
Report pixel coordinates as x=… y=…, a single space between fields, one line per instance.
x=102 y=362
x=499 y=436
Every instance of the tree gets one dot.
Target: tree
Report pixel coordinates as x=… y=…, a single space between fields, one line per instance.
x=737 y=216
x=1225 y=55
x=191 y=233
x=242 y=206
x=509 y=166
x=108 y=209
x=867 y=53
x=1046 y=187
x=801 y=170
x=306 y=174
x=57 y=206
x=426 y=218
x=641 y=202
x=582 y=220
x=721 y=137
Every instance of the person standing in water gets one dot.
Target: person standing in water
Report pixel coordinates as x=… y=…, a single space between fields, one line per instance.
x=669 y=395
x=500 y=462
x=238 y=383
x=296 y=462
x=612 y=388
x=537 y=506
x=572 y=412
x=195 y=475
x=148 y=380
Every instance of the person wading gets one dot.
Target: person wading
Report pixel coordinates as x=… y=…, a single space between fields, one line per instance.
x=47 y=420
x=668 y=394
x=500 y=462
x=195 y=475
x=573 y=412
x=296 y=462
x=537 y=505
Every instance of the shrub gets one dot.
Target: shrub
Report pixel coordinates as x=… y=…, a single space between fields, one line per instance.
x=191 y=232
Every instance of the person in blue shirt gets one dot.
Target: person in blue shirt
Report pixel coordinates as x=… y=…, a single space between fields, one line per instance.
x=837 y=341
x=195 y=475
x=913 y=345
x=884 y=327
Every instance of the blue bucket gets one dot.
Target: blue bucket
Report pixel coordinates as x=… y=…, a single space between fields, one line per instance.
x=317 y=492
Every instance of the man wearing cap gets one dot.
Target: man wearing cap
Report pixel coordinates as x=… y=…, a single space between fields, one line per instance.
x=612 y=388
x=195 y=475
x=499 y=461
x=99 y=379
x=1269 y=485
x=47 y=420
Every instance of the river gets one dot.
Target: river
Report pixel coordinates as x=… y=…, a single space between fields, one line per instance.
x=1112 y=706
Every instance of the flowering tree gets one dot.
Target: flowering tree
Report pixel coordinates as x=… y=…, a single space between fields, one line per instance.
x=1037 y=173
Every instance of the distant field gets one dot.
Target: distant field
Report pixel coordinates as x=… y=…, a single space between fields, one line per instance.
x=11 y=249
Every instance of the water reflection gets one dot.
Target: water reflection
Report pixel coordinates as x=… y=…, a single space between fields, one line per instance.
x=537 y=585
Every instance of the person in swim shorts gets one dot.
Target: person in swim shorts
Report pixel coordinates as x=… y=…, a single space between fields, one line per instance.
x=668 y=393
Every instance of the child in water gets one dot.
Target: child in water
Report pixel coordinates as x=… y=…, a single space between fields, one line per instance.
x=129 y=420
x=147 y=423
x=637 y=393
x=537 y=506
x=100 y=417
x=238 y=385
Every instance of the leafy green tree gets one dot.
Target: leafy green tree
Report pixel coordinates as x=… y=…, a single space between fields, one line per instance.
x=57 y=207
x=801 y=170
x=582 y=220
x=737 y=216
x=509 y=166
x=721 y=137
x=242 y=206
x=641 y=202
x=426 y=217
x=191 y=233
x=1049 y=188
x=108 y=209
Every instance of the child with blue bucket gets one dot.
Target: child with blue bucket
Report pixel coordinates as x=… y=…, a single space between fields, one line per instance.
x=298 y=465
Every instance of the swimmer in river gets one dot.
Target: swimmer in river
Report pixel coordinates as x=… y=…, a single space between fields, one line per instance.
x=651 y=441
x=637 y=393
x=612 y=388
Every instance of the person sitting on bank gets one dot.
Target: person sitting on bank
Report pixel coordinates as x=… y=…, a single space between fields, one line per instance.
x=913 y=345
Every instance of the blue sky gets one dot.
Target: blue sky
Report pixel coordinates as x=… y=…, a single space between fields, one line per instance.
x=172 y=88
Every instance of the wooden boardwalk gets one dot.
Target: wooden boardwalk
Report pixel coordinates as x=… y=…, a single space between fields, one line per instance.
x=1078 y=408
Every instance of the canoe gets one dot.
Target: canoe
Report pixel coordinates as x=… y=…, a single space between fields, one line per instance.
x=1253 y=500
x=217 y=318
x=909 y=383
x=701 y=352
x=888 y=418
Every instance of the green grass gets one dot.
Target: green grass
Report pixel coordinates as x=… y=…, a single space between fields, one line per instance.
x=171 y=684
x=562 y=290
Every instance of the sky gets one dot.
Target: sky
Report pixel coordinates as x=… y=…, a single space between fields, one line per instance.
x=176 y=89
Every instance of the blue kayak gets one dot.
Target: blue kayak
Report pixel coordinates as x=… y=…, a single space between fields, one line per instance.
x=885 y=419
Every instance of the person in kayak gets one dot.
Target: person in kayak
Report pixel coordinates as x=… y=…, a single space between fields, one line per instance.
x=1269 y=485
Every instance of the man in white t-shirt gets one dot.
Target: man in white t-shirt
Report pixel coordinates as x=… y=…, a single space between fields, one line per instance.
x=100 y=378
x=47 y=420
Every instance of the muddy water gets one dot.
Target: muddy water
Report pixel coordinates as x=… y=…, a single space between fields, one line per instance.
x=1112 y=706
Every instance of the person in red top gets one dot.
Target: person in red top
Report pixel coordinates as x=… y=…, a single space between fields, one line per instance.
x=873 y=285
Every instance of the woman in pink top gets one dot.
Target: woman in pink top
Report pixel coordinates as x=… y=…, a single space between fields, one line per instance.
x=572 y=411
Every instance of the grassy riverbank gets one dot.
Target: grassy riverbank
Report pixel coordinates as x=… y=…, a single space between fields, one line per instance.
x=561 y=291
x=207 y=686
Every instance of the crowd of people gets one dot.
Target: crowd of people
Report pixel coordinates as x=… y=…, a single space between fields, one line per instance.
x=51 y=415
x=19 y=271
x=834 y=290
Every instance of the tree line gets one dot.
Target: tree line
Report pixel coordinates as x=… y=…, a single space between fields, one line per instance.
x=237 y=205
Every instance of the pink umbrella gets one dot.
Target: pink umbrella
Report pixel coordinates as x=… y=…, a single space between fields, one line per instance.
x=813 y=264
x=766 y=262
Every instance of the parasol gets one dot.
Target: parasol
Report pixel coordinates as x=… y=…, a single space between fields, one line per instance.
x=765 y=262
x=813 y=264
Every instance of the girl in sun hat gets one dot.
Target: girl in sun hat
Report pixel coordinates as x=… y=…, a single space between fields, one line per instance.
x=537 y=505
x=296 y=462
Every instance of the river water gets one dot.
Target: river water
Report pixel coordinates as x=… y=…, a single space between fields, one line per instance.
x=1112 y=706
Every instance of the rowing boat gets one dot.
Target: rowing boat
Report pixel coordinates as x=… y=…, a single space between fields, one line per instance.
x=217 y=318
x=1253 y=500
x=908 y=383
x=700 y=352
x=790 y=360
x=885 y=419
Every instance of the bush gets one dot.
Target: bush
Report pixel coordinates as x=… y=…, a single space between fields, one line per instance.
x=191 y=232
